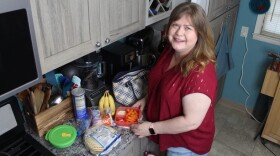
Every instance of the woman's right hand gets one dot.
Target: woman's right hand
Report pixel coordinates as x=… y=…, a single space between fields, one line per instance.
x=140 y=104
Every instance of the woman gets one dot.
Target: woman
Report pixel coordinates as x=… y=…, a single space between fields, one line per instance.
x=179 y=106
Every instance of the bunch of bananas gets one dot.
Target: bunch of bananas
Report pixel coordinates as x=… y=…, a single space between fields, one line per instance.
x=107 y=101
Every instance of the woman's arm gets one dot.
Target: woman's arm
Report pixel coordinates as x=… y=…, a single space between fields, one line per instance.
x=195 y=107
x=141 y=103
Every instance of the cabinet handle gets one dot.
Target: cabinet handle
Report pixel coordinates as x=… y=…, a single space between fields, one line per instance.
x=107 y=40
x=98 y=44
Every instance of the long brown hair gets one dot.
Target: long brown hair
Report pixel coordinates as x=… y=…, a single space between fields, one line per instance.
x=203 y=52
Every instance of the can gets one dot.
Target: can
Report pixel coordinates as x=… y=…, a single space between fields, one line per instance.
x=79 y=102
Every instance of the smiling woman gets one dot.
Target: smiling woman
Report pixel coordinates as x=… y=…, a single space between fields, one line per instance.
x=181 y=96
x=183 y=37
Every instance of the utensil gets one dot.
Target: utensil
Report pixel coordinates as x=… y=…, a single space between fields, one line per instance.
x=33 y=103
x=56 y=100
x=39 y=97
x=47 y=96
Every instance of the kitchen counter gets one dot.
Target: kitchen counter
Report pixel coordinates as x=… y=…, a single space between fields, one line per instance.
x=78 y=147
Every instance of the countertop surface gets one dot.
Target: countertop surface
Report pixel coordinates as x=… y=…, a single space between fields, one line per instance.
x=78 y=147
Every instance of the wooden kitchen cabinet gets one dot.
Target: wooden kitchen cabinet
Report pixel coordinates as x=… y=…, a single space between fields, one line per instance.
x=218 y=14
x=271 y=130
x=148 y=145
x=132 y=149
x=67 y=30
x=120 y=18
x=218 y=7
x=138 y=146
x=229 y=17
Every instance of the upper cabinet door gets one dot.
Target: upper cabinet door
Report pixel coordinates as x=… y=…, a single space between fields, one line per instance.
x=233 y=3
x=120 y=18
x=217 y=25
x=231 y=18
x=64 y=30
x=216 y=8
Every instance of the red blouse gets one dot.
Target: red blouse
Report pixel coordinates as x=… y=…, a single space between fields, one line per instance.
x=166 y=90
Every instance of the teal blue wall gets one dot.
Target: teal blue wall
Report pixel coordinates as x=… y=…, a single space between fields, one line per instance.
x=256 y=61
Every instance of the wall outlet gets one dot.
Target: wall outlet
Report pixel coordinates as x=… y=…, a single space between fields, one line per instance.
x=244 y=31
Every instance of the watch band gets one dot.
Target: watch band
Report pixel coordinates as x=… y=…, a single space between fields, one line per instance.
x=151 y=129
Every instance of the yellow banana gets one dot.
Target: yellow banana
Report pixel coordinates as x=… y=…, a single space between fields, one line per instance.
x=106 y=99
x=101 y=102
x=112 y=104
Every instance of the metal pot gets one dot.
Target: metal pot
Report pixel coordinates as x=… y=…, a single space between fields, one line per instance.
x=146 y=60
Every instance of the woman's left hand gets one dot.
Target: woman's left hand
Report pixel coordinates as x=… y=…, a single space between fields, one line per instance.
x=141 y=129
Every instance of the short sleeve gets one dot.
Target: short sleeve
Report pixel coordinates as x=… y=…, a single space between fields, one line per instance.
x=202 y=82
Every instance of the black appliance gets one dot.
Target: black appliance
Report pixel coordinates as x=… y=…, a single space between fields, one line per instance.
x=142 y=41
x=119 y=57
x=19 y=61
x=92 y=69
x=14 y=141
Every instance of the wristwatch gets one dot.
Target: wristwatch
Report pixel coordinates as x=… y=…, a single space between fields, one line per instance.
x=151 y=129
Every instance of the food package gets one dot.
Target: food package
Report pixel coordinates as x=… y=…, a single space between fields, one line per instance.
x=100 y=140
x=106 y=117
x=96 y=117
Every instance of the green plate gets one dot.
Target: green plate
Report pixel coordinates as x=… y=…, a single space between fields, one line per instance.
x=61 y=136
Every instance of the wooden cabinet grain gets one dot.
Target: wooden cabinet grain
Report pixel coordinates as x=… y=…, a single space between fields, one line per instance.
x=63 y=30
x=138 y=146
x=229 y=17
x=67 y=30
x=121 y=18
x=272 y=126
x=218 y=14
x=132 y=149
x=218 y=7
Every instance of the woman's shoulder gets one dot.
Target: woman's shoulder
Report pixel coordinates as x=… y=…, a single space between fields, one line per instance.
x=208 y=71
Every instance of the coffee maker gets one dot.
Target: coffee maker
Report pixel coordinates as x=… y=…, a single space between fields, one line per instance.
x=118 y=57
x=142 y=42
x=93 y=69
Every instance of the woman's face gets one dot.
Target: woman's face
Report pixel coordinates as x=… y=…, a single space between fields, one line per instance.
x=182 y=35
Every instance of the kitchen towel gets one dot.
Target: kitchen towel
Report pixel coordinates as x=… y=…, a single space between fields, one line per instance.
x=223 y=53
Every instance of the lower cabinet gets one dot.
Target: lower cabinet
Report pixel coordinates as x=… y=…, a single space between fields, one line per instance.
x=138 y=146
x=271 y=130
x=133 y=149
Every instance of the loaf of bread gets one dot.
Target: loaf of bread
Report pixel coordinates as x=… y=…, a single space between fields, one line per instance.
x=100 y=138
